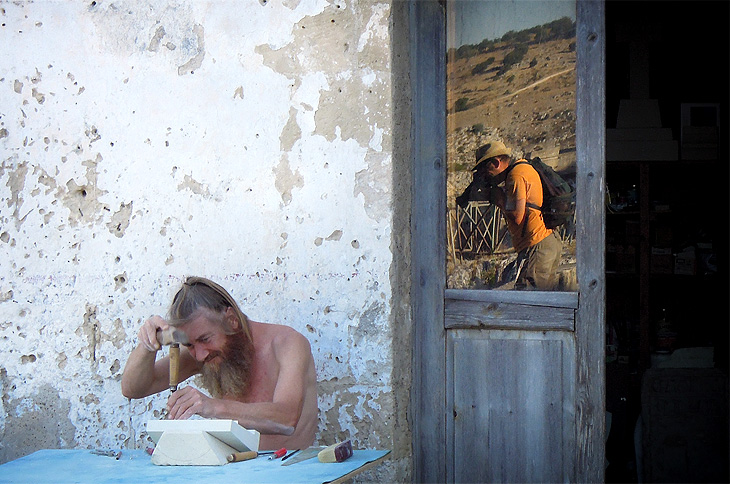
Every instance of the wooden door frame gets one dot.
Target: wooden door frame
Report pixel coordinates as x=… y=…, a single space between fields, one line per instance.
x=428 y=254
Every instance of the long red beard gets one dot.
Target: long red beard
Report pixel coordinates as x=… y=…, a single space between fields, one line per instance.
x=230 y=372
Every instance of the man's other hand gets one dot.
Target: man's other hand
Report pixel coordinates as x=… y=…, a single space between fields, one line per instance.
x=189 y=401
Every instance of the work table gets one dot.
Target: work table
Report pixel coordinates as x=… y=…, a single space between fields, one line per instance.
x=83 y=466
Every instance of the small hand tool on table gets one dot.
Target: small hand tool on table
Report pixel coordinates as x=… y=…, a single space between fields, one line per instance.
x=242 y=456
x=278 y=453
x=289 y=454
x=252 y=454
x=304 y=454
x=108 y=453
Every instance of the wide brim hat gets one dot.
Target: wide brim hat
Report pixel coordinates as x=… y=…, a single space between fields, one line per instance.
x=490 y=150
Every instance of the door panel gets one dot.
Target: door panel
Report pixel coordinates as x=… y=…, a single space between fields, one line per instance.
x=512 y=399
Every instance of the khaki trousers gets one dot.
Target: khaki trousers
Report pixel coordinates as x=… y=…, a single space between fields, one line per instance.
x=538 y=265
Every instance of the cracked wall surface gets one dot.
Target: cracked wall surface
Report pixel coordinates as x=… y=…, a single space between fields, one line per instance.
x=145 y=141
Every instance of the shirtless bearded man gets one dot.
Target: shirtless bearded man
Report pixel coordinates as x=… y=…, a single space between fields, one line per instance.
x=260 y=374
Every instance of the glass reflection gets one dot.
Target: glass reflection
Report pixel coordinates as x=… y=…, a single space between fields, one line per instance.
x=511 y=98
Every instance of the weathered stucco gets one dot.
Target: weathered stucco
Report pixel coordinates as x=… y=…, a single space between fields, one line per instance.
x=144 y=141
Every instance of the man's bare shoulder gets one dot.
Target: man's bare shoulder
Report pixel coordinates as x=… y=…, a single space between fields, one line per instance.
x=291 y=338
x=284 y=337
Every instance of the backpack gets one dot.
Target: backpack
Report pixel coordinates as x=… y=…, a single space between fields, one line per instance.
x=558 y=196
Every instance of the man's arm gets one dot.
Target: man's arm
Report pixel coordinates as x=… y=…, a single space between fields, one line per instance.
x=143 y=376
x=279 y=416
x=514 y=209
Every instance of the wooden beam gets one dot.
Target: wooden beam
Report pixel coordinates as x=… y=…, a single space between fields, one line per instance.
x=590 y=241
x=497 y=315
x=548 y=299
x=428 y=275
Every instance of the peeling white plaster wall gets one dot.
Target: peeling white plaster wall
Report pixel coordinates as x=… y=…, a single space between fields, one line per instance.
x=144 y=141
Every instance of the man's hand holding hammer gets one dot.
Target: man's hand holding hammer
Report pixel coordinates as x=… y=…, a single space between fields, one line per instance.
x=147 y=335
x=154 y=334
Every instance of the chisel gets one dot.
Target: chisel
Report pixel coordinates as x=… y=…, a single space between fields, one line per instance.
x=305 y=454
x=242 y=456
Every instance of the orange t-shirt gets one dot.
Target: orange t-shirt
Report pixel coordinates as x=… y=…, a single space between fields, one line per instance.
x=523 y=182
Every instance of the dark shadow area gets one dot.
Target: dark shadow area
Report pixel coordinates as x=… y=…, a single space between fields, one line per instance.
x=667 y=249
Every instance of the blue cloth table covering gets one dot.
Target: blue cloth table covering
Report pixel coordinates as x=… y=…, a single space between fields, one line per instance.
x=134 y=466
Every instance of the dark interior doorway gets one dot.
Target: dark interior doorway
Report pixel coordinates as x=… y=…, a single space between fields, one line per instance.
x=667 y=242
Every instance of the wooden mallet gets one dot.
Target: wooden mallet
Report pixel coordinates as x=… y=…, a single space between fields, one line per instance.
x=174 y=338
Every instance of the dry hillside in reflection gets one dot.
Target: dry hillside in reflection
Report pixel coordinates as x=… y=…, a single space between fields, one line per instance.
x=530 y=106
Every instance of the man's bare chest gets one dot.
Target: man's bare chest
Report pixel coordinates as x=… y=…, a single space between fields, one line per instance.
x=262 y=384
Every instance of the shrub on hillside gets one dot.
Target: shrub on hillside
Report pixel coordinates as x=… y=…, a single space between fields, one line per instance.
x=461 y=104
x=516 y=56
x=482 y=67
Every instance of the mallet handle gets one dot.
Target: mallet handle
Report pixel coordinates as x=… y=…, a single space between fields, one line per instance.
x=174 y=365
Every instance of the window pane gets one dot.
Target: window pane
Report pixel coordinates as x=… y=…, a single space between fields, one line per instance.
x=511 y=79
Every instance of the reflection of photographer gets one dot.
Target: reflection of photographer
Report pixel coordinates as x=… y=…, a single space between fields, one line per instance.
x=538 y=248
x=480 y=188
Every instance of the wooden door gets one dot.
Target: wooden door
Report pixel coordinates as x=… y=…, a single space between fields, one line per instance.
x=510 y=385
x=507 y=385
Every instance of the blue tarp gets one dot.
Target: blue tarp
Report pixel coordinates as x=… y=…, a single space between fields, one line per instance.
x=134 y=466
